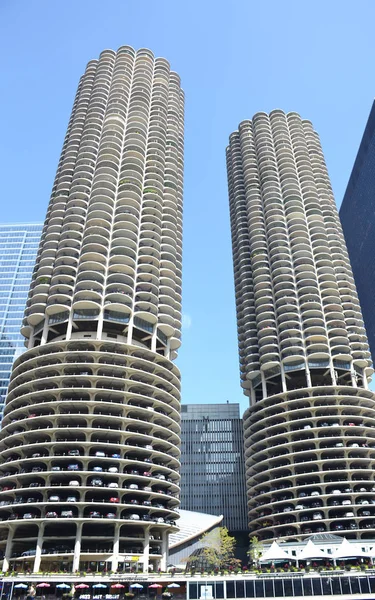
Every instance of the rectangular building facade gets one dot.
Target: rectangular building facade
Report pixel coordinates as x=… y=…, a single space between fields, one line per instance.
x=212 y=462
x=18 y=248
x=357 y=214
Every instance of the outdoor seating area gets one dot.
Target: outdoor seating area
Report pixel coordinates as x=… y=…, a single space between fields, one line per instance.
x=90 y=590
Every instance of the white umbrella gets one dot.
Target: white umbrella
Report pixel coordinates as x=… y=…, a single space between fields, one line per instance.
x=99 y=585
x=173 y=585
x=311 y=551
x=21 y=585
x=138 y=586
x=348 y=550
x=275 y=553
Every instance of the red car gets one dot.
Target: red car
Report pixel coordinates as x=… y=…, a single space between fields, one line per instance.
x=114 y=500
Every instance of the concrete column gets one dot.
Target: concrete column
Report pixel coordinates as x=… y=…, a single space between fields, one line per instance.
x=153 y=341
x=77 y=548
x=333 y=373
x=31 y=341
x=164 y=551
x=8 y=549
x=353 y=377
x=264 y=384
x=45 y=332
x=116 y=547
x=99 y=330
x=283 y=379
x=69 y=326
x=308 y=376
x=130 y=331
x=39 y=545
x=146 y=551
x=364 y=379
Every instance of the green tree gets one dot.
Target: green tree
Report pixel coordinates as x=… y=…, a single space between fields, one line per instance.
x=255 y=550
x=218 y=549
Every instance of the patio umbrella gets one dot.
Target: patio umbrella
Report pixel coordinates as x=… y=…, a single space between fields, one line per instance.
x=44 y=585
x=173 y=585
x=155 y=585
x=118 y=586
x=138 y=586
x=21 y=585
x=63 y=586
x=99 y=585
x=82 y=586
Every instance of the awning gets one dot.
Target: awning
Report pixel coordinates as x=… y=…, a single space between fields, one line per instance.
x=312 y=551
x=275 y=553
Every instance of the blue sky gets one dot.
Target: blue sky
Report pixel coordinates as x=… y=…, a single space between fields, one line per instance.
x=235 y=57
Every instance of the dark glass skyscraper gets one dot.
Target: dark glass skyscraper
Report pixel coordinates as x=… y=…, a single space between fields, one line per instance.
x=357 y=216
x=212 y=462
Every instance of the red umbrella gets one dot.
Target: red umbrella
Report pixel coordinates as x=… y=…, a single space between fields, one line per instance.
x=81 y=586
x=43 y=585
x=155 y=585
x=117 y=586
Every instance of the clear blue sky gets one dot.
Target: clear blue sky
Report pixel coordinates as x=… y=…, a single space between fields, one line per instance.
x=235 y=57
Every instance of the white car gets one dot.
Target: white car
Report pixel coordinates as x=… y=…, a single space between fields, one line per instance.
x=317 y=515
x=346 y=502
x=113 y=484
x=315 y=493
x=336 y=492
x=74 y=482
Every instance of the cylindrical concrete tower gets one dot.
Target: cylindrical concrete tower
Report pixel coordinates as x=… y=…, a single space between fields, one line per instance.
x=90 y=439
x=310 y=428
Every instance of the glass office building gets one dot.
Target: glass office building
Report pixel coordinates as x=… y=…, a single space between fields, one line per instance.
x=18 y=248
x=212 y=462
x=357 y=214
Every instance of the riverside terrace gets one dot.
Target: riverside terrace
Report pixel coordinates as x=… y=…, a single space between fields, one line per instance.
x=304 y=584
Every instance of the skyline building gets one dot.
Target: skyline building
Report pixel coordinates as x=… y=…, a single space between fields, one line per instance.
x=212 y=462
x=358 y=222
x=304 y=358
x=91 y=429
x=18 y=248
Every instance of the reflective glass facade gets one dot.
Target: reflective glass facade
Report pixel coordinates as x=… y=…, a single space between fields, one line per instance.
x=212 y=462
x=18 y=248
x=357 y=214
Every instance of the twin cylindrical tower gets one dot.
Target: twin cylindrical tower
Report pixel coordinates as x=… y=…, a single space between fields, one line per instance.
x=304 y=357
x=90 y=438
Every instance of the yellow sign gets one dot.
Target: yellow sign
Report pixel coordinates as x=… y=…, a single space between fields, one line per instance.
x=135 y=558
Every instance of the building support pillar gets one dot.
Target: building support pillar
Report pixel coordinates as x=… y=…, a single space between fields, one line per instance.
x=364 y=379
x=164 y=551
x=99 y=329
x=77 y=548
x=146 y=551
x=308 y=377
x=283 y=379
x=116 y=547
x=39 y=545
x=264 y=385
x=8 y=549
